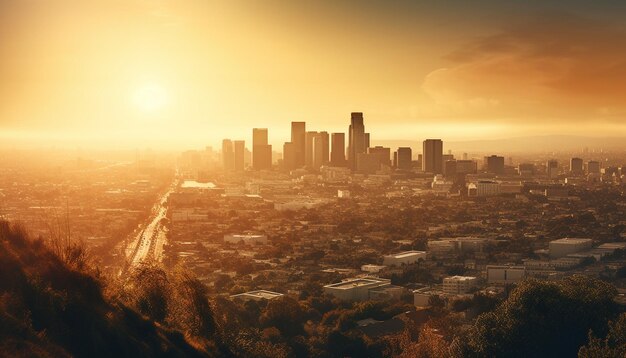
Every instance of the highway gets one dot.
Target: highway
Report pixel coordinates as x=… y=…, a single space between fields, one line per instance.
x=147 y=244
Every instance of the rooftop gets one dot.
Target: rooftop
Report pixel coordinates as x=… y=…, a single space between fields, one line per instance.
x=570 y=240
x=357 y=282
x=404 y=254
x=268 y=295
x=461 y=278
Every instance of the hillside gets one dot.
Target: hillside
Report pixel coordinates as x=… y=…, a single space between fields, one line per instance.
x=50 y=309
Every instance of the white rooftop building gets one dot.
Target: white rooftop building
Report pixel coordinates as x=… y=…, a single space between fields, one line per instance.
x=567 y=246
x=406 y=258
x=246 y=239
x=258 y=295
x=358 y=289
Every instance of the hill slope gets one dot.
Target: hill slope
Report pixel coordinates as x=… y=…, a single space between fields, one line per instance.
x=49 y=309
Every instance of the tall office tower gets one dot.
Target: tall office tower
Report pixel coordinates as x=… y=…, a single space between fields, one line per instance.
x=318 y=151
x=261 y=151
x=466 y=167
x=526 y=169
x=593 y=167
x=432 y=156
x=289 y=156
x=240 y=150
x=356 y=138
x=552 y=168
x=405 y=156
x=449 y=168
x=494 y=164
x=366 y=137
x=383 y=154
x=298 y=130
x=576 y=166
x=228 y=155
x=325 y=147
x=338 y=150
x=308 y=148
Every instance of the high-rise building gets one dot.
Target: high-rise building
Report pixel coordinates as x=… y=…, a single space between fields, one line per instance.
x=526 y=169
x=240 y=150
x=298 y=132
x=338 y=150
x=261 y=151
x=318 y=151
x=449 y=168
x=356 y=138
x=325 y=139
x=576 y=166
x=466 y=167
x=289 y=156
x=383 y=154
x=593 y=167
x=432 y=156
x=552 y=168
x=228 y=155
x=308 y=148
x=494 y=164
x=404 y=157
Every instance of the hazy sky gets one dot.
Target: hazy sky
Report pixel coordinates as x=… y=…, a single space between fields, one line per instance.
x=176 y=73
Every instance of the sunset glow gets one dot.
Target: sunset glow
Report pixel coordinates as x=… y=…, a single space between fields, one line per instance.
x=107 y=67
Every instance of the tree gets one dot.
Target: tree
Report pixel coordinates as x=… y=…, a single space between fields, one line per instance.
x=614 y=345
x=542 y=319
x=285 y=314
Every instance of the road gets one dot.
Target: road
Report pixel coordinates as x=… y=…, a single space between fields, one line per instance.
x=147 y=245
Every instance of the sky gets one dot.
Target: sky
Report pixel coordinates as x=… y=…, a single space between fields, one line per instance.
x=182 y=74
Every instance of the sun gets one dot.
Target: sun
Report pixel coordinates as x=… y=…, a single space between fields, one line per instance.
x=150 y=98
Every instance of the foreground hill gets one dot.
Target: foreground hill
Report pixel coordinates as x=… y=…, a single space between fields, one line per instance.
x=50 y=307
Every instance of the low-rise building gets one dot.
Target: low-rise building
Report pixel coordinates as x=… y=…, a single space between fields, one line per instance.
x=406 y=258
x=567 y=246
x=356 y=289
x=246 y=239
x=372 y=268
x=456 y=285
x=422 y=296
x=505 y=274
x=257 y=295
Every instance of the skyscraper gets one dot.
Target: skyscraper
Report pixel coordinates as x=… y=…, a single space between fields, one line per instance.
x=318 y=151
x=404 y=158
x=593 y=167
x=383 y=154
x=338 y=150
x=308 y=148
x=289 y=156
x=228 y=155
x=432 y=159
x=240 y=149
x=325 y=147
x=494 y=164
x=576 y=166
x=356 y=138
x=552 y=168
x=298 y=130
x=261 y=151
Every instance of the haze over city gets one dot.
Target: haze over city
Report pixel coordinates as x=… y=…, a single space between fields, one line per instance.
x=329 y=179
x=172 y=74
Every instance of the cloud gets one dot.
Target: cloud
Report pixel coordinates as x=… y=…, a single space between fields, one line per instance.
x=555 y=66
